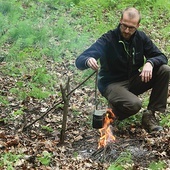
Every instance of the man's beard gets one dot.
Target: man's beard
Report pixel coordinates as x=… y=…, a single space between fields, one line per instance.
x=126 y=36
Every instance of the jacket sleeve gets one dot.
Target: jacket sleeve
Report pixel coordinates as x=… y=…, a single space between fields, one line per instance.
x=153 y=54
x=96 y=50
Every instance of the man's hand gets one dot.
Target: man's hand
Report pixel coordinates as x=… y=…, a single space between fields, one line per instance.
x=146 y=73
x=92 y=63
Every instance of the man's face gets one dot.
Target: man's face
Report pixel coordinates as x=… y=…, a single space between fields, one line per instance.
x=128 y=26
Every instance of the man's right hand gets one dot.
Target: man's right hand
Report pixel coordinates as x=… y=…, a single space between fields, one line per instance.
x=92 y=63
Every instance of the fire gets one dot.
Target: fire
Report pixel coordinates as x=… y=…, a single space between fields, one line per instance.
x=105 y=131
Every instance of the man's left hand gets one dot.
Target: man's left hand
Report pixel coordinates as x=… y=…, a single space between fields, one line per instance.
x=146 y=73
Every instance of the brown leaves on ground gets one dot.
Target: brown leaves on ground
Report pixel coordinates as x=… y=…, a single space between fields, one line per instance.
x=81 y=141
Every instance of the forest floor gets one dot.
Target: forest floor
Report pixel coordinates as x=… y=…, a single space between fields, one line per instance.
x=38 y=146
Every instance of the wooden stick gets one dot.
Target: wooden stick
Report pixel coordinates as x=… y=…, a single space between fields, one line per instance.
x=66 y=99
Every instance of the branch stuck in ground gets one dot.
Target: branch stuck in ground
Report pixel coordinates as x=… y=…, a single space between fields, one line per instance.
x=59 y=102
x=66 y=99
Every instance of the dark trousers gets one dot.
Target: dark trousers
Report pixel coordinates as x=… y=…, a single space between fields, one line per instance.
x=123 y=96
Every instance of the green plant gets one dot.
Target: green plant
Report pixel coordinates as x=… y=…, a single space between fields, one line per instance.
x=45 y=158
x=3 y=100
x=135 y=119
x=41 y=76
x=75 y=154
x=157 y=165
x=75 y=112
x=36 y=85
x=32 y=89
x=145 y=101
x=8 y=160
x=18 y=112
x=38 y=93
x=165 y=120
x=19 y=92
x=13 y=115
x=47 y=128
x=124 y=160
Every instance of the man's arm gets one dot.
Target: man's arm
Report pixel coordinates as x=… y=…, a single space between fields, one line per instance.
x=88 y=59
x=153 y=55
x=154 y=58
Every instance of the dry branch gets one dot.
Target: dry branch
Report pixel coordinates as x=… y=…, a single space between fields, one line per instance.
x=57 y=103
x=66 y=98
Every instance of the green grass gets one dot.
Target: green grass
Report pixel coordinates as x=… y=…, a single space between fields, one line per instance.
x=34 y=31
x=54 y=26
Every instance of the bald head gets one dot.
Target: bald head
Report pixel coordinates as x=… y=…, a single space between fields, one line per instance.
x=132 y=13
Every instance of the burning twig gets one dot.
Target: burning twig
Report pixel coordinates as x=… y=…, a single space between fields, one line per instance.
x=107 y=154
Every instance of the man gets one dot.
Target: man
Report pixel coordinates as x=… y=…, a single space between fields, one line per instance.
x=130 y=64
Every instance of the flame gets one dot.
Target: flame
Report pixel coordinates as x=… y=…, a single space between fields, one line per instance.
x=105 y=131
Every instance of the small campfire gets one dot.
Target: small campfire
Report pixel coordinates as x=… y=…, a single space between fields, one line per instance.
x=109 y=150
x=106 y=132
x=106 y=144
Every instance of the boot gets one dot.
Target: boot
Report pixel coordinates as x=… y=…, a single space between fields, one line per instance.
x=149 y=121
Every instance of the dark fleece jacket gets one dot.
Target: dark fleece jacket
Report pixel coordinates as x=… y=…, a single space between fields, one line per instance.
x=119 y=59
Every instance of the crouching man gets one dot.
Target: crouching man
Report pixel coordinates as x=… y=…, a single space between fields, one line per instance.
x=130 y=64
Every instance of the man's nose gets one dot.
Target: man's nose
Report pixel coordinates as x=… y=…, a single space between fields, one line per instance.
x=127 y=30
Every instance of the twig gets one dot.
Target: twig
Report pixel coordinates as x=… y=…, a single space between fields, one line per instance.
x=107 y=153
x=59 y=102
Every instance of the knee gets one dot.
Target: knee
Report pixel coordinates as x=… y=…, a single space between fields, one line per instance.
x=128 y=109
x=137 y=106
x=133 y=106
x=165 y=69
